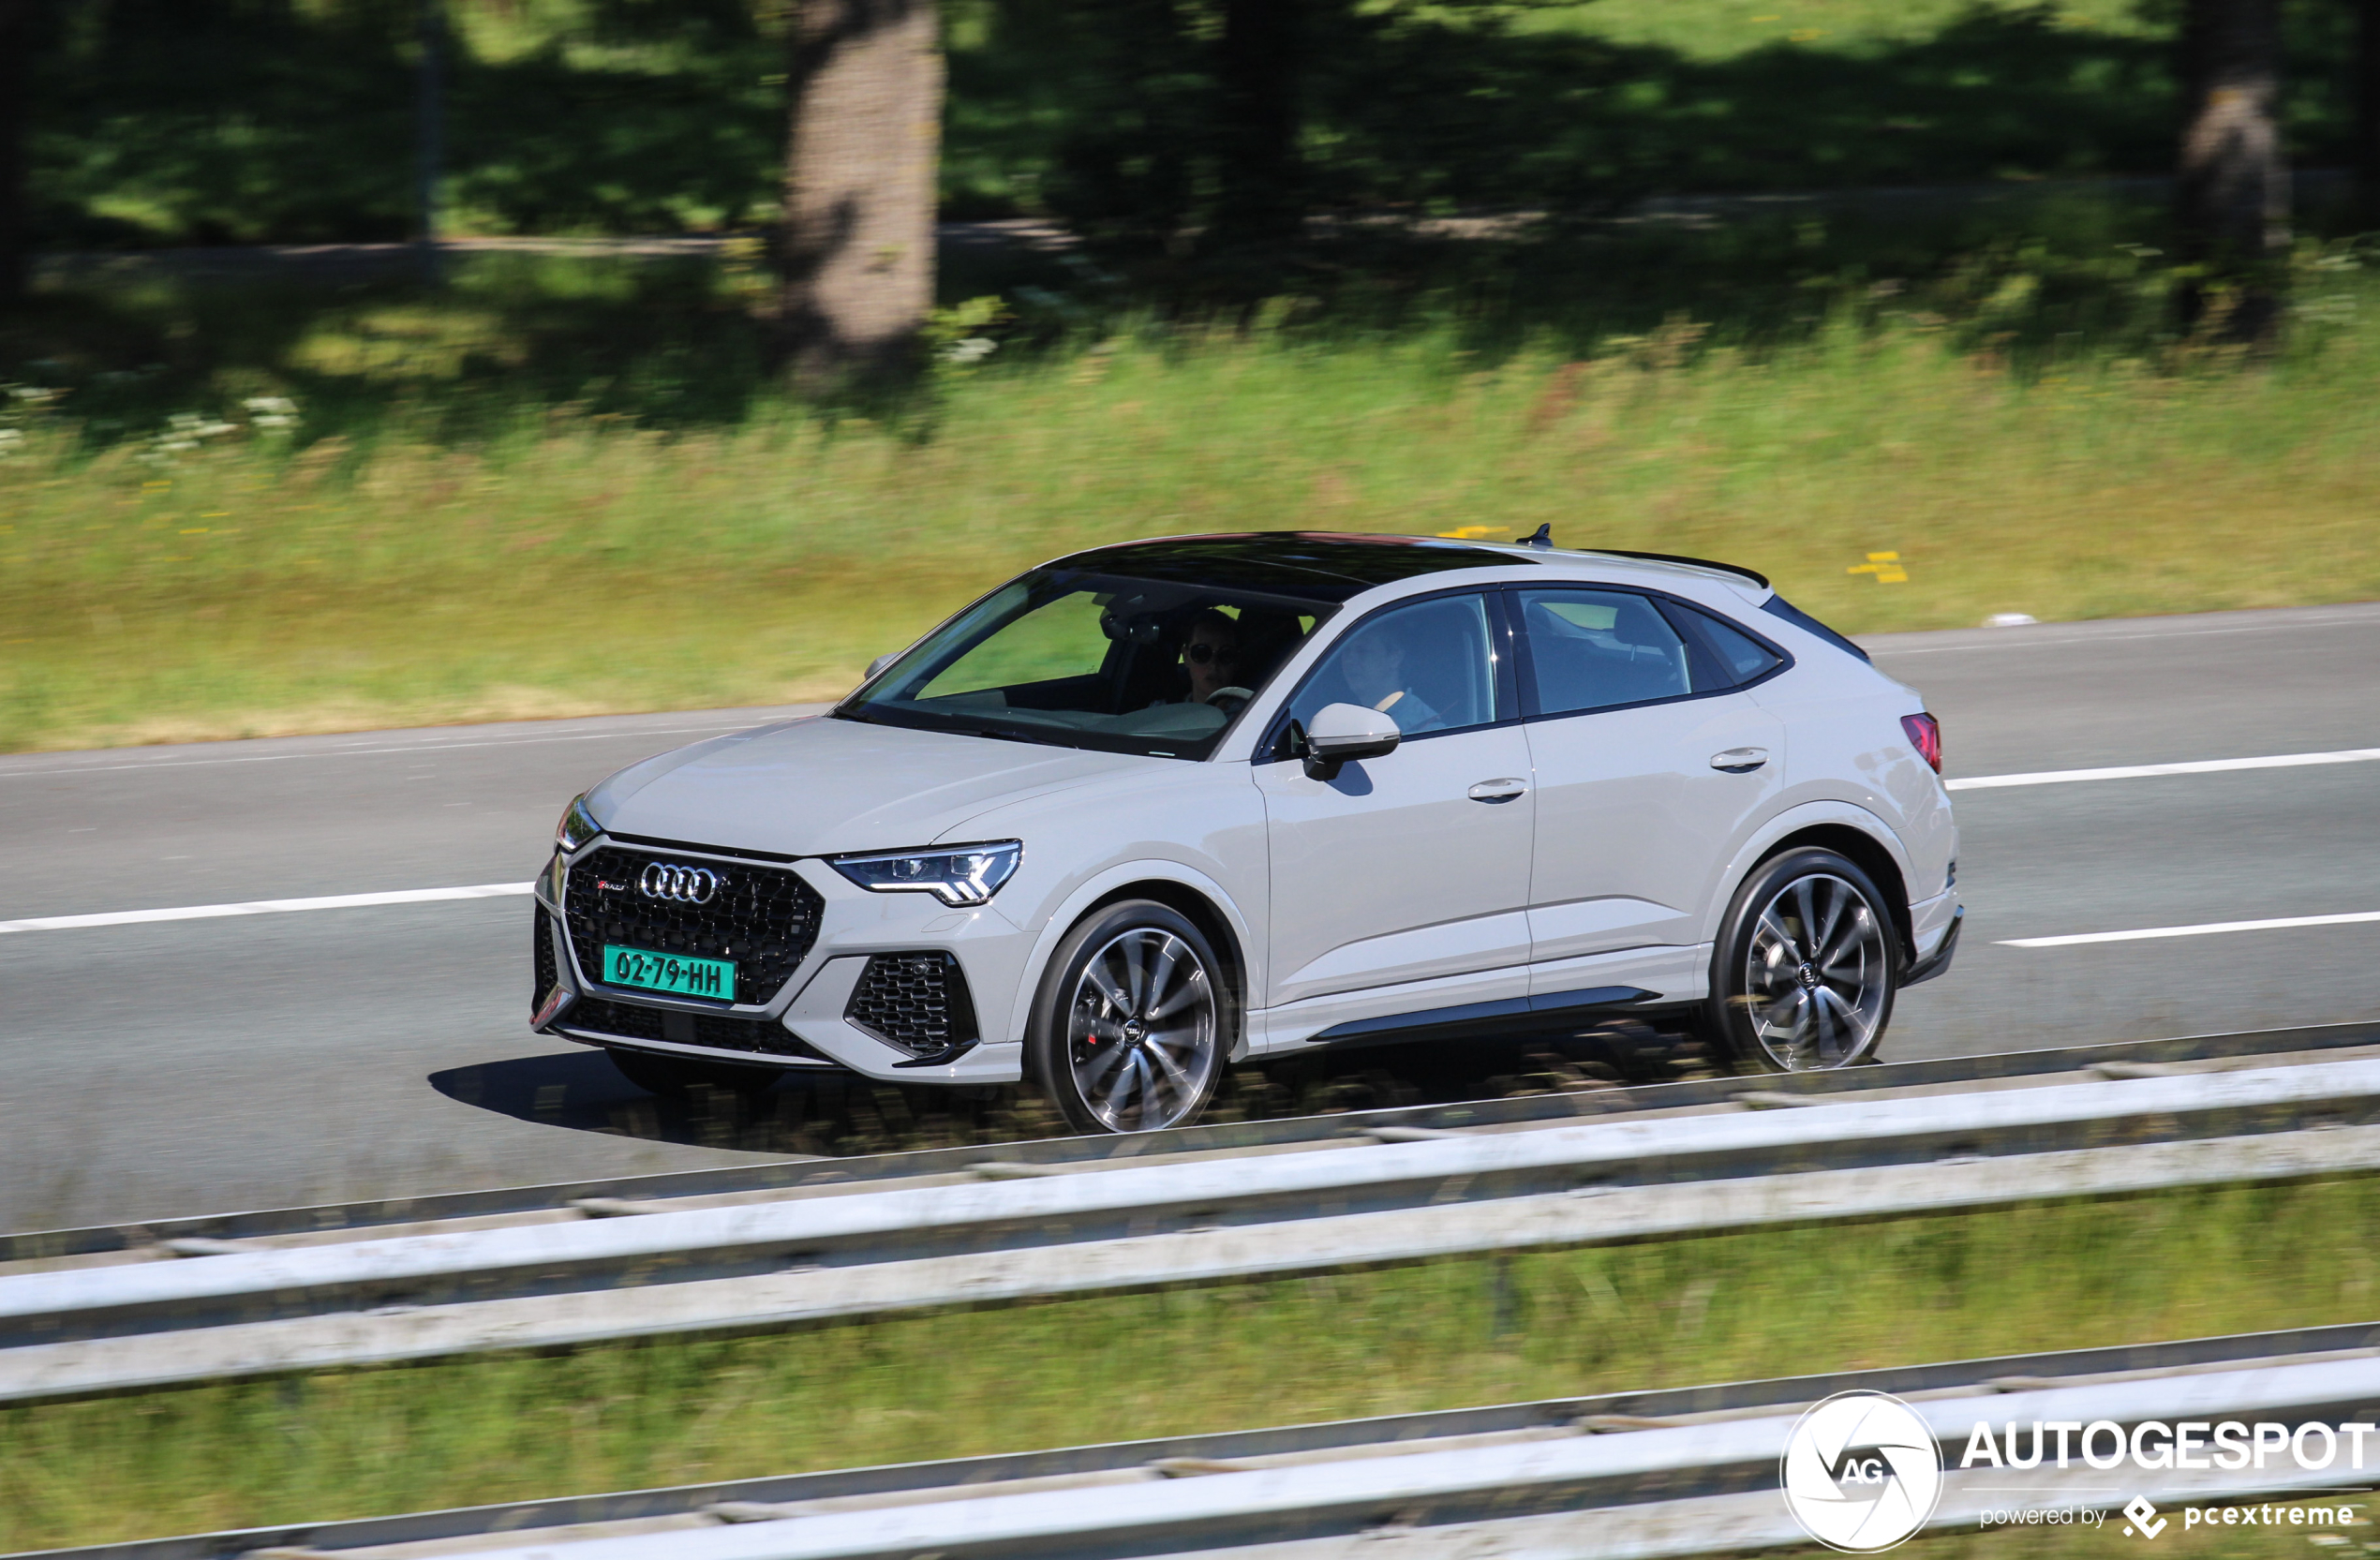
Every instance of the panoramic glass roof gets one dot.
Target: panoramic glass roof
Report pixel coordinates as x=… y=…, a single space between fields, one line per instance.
x=1328 y=565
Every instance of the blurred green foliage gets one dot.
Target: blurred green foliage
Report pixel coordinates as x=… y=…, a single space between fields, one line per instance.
x=159 y=122
x=2019 y=421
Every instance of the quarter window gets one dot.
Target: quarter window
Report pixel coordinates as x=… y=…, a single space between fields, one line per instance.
x=1592 y=649
x=1428 y=666
x=1742 y=658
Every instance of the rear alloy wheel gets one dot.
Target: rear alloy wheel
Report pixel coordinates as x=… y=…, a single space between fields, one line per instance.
x=675 y=1078
x=1806 y=966
x=1133 y=1023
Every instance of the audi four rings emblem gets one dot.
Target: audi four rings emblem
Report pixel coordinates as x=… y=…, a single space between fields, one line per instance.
x=685 y=884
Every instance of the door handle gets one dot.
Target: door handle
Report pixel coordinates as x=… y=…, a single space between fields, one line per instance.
x=1499 y=790
x=1740 y=761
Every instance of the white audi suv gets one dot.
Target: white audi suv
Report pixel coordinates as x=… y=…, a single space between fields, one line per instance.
x=1154 y=808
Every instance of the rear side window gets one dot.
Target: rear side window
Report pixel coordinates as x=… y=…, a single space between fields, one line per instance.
x=1593 y=649
x=1738 y=657
x=1778 y=606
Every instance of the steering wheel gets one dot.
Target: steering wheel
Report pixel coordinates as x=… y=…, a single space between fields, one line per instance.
x=1231 y=701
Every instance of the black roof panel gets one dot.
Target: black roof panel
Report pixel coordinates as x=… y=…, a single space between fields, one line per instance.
x=1332 y=565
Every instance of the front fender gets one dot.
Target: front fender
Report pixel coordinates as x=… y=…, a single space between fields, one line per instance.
x=1104 y=885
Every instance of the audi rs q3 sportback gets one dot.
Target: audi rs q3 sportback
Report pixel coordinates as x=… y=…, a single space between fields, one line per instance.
x=1152 y=809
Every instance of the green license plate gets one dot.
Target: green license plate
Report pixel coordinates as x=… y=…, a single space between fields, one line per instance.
x=679 y=974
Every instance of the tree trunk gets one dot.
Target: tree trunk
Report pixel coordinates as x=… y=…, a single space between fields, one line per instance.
x=429 y=133
x=1262 y=199
x=16 y=77
x=862 y=156
x=2233 y=190
x=2367 y=107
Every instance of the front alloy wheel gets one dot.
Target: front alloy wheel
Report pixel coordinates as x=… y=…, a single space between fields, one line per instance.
x=1134 y=1027
x=1806 y=966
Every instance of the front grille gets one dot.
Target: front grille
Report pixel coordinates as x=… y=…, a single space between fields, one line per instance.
x=542 y=974
x=762 y=918
x=719 y=1031
x=917 y=1001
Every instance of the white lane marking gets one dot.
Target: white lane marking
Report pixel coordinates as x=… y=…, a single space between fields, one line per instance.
x=267 y=907
x=2019 y=639
x=2142 y=771
x=356 y=752
x=2208 y=929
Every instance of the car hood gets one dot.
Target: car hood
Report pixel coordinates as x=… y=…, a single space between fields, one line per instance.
x=819 y=786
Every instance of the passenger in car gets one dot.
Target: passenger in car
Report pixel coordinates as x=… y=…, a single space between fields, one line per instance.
x=1373 y=664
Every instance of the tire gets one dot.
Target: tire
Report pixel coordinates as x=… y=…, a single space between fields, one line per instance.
x=1133 y=1021
x=1778 y=1005
x=674 y=1079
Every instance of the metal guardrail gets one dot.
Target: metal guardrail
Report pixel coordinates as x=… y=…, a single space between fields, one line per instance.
x=561 y=1198
x=777 y=1263
x=1663 y=1472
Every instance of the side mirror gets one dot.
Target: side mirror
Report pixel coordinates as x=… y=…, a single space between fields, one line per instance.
x=1341 y=733
x=878 y=664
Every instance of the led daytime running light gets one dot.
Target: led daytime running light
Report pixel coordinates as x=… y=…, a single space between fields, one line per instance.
x=966 y=875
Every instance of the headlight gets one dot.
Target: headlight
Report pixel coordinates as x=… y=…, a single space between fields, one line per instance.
x=968 y=874
x=577 y=827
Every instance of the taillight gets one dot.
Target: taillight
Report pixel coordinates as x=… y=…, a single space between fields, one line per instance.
x=1926 y=736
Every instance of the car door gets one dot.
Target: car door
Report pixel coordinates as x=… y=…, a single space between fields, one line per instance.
x=1652 y=765
x=1402 y=883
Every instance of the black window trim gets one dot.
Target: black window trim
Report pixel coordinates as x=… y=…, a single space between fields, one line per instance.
x=1778 y=607
x=1503 y=641
x=1660 y=599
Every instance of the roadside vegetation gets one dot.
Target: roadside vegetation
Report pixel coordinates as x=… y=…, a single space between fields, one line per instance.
x=564 y=486
x=241 y=498
x=1447 y=1334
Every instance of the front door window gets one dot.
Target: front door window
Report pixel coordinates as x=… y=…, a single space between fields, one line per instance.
x=1430 y=667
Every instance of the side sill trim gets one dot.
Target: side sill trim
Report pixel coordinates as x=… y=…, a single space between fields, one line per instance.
x=1508 y=1013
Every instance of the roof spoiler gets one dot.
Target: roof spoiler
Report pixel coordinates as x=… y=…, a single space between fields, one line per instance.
x=1759 y=579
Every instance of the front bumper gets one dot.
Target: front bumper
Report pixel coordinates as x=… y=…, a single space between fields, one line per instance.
x=807 y=1023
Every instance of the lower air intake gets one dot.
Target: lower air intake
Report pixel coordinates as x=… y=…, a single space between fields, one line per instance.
x=916 y=1000
x=544 y=974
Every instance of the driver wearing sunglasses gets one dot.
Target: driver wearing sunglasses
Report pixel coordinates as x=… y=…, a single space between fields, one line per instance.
x=1211 y=656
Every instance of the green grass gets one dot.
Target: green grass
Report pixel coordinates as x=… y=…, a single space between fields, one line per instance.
x=1725 y=29
x=1442 y=1335
x=482 y=515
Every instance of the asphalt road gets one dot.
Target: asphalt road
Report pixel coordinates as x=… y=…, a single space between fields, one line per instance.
x=190 y=1066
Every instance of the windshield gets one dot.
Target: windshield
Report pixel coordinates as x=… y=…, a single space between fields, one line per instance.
x=1085 y=659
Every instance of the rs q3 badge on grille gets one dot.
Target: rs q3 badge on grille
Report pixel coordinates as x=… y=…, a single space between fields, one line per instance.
x=680 y=885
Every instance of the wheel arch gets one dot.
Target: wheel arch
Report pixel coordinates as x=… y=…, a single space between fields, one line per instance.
x=1842 y=827
x=1185 y=891
x=1195 y=908
x=1870 y=855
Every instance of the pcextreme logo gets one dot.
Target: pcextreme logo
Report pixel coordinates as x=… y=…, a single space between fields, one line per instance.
x=1861 y=1472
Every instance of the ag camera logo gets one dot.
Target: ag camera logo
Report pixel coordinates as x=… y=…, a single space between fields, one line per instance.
x=1861 y=1472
